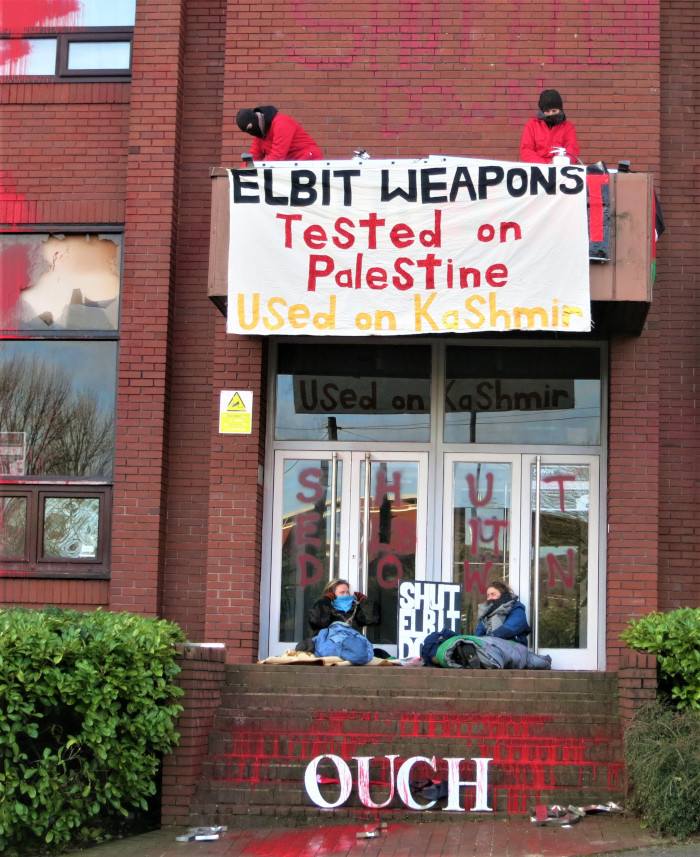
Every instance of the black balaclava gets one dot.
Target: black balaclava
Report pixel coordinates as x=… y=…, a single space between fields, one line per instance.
x=259 y=117
x=551 y=100
x=247 y=117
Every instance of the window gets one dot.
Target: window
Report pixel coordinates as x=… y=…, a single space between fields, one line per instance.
x=59 y=321
x=92 y=41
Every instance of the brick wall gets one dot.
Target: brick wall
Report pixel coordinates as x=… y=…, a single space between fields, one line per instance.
x=459 y=79
x=201 y=679
x=405 y=79
x=677 y=301
x=194 y=319
x=143 y=396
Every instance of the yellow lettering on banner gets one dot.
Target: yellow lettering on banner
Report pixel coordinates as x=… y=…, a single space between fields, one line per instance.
x=471 y=306
x=568 y=311
x=278 y=319
x=326 y=320
x=421 y=312
x=495 y=314
x=280 y=314
x=529 y=314
x=450 y=320
x=241 y=312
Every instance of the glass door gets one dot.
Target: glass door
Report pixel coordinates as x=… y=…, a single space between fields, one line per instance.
x=359 y=516
x=484 y=543
x=562 y=545
x=530 y=521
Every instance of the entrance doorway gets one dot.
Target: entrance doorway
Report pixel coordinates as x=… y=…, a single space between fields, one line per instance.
x=437 y=462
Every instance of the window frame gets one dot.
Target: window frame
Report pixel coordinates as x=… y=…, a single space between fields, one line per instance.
x=35 y=488
x=34 y=564
x=63 y=36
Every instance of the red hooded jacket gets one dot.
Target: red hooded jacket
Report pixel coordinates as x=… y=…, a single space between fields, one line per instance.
x=539 y=139
x=285 y=140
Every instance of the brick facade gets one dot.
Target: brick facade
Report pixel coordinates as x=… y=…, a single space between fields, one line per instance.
x=400 y=80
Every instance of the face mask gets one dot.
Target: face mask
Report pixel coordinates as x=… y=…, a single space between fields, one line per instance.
x=555 y=119
x=343 y=603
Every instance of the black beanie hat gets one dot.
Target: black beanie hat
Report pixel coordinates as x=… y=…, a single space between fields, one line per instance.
x=550 y=100
x=245 y=117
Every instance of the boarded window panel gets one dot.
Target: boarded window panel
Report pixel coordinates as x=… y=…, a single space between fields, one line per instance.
x=56 y=283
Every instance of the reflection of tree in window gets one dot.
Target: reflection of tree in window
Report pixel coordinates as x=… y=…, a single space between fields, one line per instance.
x=66 y=431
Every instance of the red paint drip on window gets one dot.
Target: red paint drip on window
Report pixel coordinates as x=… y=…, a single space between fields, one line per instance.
x=14 y=277
x=21 y=16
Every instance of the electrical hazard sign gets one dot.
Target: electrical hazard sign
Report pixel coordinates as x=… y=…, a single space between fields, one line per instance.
x=235 y=412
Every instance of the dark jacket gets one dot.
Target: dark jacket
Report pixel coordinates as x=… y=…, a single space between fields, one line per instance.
x=322 y=614
x=284 y=140
x=508 y=621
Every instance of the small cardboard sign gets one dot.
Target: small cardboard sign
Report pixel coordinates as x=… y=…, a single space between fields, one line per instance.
x=425 y=607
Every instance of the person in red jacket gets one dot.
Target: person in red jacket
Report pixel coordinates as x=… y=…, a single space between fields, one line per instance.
x=277 y=137
x=548 y=131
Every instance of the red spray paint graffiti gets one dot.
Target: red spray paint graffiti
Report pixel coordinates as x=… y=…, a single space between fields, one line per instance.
x=526 y=756
x=29 y=17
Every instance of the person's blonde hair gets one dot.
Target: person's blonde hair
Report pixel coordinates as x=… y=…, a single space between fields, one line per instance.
x=330 y=587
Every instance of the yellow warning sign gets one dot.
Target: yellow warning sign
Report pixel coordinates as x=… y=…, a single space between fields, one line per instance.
x=236 y=403
x=235 y=412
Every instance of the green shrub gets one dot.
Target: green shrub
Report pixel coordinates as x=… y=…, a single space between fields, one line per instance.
x=662 y=750
x=675 y=639
x=87 y=702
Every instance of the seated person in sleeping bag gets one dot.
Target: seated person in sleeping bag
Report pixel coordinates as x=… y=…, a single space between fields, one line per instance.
x=502 y=615
x=336 y=604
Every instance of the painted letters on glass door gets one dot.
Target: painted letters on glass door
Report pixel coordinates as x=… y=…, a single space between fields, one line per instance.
x=350 y=515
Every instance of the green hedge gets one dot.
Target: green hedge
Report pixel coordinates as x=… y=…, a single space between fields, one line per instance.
x=675 y=640
x=662 y=751
x=87 y=708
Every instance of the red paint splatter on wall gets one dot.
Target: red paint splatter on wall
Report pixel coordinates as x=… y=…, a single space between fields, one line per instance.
x=14 y=208
x=18 y=17
x=27 y=17
x=526 y=755
x=14 y=274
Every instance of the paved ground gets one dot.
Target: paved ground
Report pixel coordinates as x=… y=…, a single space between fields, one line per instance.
x=593 y=835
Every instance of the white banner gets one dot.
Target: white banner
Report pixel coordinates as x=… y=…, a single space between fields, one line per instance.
x=403 y=247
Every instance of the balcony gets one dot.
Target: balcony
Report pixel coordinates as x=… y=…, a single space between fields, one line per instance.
x=620 y=286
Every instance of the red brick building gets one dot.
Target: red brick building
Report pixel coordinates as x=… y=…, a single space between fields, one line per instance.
x=111 y=126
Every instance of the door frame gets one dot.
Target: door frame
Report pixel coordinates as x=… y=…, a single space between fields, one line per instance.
x=351 y=529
